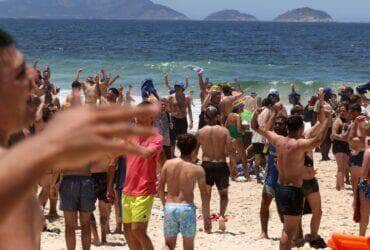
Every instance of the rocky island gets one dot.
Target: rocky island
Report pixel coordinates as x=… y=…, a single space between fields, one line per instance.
x=305 y=15
x=88 y=9
x=230 y=15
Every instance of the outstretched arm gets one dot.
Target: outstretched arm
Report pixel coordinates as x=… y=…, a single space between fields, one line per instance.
x=271 y=136
x=311 y=143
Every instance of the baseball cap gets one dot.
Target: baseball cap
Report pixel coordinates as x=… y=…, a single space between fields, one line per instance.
x=328 y=91
x=273 y=92
x=180 y=84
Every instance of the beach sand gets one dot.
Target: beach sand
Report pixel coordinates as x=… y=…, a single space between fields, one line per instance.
x=243 y=227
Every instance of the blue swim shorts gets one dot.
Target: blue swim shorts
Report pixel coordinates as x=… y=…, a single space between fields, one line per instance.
x=179 y=218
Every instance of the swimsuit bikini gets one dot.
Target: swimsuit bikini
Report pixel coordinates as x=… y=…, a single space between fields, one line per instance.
x=355 y=160
x=234 y=131
x=341 y=146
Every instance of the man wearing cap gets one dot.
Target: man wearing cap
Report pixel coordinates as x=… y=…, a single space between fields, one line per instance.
x=180 y=107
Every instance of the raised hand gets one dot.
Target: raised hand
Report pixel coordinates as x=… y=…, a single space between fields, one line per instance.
x=120 y=88
x=81 y=135
x=165 y=75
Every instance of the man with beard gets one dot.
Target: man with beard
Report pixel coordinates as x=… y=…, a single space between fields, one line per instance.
x=291 y=152
x=70 y=141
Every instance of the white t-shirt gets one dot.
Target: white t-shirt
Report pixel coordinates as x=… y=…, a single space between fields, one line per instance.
x=262 y=119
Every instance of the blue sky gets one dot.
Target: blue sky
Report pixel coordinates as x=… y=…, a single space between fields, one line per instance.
x=340 y=10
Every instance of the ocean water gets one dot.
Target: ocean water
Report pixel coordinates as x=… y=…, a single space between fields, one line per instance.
x=262 y=55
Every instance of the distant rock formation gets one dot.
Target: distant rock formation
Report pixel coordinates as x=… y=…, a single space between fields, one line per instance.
x=88 y=9
x=305 y=15
x=230 y=15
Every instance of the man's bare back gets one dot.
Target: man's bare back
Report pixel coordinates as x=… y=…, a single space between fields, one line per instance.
x=213 y=140
x=181 y=177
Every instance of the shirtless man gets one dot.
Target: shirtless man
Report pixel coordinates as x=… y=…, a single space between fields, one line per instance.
x=212 y=99
x=291 y=152
x=214 y=160
x=180 y=106
x=73 y=137
x=91 y=89
x=74 y=98
x=106 y=82
x=180 y=176
x=99 y=180
x=310 y=186
x=77 y=199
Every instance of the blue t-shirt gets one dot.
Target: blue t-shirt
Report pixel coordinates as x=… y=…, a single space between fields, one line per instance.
x=272 y=172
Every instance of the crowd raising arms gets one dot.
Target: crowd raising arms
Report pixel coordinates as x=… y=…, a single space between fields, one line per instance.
x=106 y=127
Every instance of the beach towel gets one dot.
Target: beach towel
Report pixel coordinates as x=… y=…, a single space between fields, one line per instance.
x=194 y=68
x=147 y=88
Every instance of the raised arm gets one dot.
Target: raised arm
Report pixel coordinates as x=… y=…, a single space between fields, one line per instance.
x=271 y=136
x=166 y=82
x=190 y=113
x=36 y=62
x=186 y=81
x=311 y=143
x=78 y=74
x=120 y=96
x=113 y=80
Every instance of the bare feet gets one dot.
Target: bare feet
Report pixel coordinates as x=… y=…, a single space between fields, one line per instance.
x=118 y=231
x=263 y=236
x=96 y=242
x=222 y=224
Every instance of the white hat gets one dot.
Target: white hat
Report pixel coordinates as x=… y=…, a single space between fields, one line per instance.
x=273 y=92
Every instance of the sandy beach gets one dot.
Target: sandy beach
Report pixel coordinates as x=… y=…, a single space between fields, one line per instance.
x=243 y=227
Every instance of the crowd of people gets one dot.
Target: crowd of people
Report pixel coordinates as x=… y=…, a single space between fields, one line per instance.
x=98 y=147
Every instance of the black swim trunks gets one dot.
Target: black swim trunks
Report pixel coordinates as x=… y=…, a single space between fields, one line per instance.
x=310 y=187
x=258 y=148
x=100 y=186
x=77 y=194
x=180 y=126
x=217 y=173
x=356 y=160
x=289 y=200
x=341 y=147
